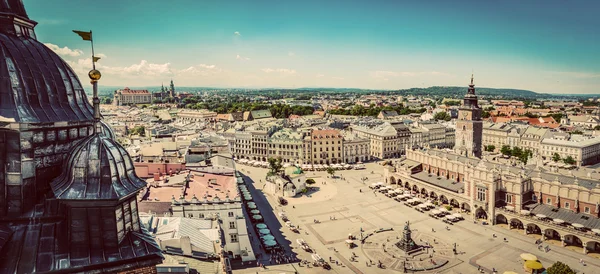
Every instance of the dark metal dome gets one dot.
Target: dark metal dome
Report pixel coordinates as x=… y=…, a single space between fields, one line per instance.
x=97 y=168
x=108 y=131
x=36 y=85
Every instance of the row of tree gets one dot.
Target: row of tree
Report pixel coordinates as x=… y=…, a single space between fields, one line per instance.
x=522 y=154
x=358 y=110
x=567 y=160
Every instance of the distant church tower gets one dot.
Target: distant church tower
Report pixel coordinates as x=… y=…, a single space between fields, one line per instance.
x=469 y=127
x=172 y=90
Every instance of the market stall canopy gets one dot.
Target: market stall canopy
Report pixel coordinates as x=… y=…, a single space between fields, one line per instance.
x=541 y=216
x=535 y=265
x=577 y=225
x=528 y=257
x=264 y=231
x=257 y=217
x=261 y=226
x=267 y=237
x=558 y=221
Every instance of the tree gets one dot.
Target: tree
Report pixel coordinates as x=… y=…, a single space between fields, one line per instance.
x=517 y=152
x=138 y=130
x=597 y=128
x=310 y=181
x=569 y=160
x=490 y=148
x=524 y=157
x=559 y=268
x=274 y=166
x=577 y=132
x=555 y=157
x=442 y=115
x=330 y=171
x=505 y=150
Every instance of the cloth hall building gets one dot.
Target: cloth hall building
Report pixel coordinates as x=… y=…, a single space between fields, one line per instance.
x=557 y=205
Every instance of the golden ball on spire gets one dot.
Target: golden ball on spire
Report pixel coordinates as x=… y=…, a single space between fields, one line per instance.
x=94 y=75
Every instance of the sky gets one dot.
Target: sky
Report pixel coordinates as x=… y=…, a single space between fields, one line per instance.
x=544 y=46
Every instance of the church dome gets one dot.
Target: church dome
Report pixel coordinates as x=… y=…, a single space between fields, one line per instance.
x=108 y=131
x=97 y=168
x=292 y=170
x=37 y=85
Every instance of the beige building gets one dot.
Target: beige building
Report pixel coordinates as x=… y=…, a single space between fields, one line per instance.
x=584 y=150
x=502 y=134
x=287 y=145
x=126 y=96
x=355 y=149
x=326 y=146
x=387 y=140
x=196 y=115
x=532 y=138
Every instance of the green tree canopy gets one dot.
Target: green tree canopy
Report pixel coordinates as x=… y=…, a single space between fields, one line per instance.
x=505 y=150
x=555 y=157
x=330 y=171
x=275 y=166
x=310 y=181
x=442 y=115
x=559 y=268
x=569 y=160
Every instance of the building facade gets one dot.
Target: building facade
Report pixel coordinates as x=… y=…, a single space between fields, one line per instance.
x=126 y=96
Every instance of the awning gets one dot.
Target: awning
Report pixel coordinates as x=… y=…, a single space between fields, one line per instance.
x=435 y=211
x=578 y=225
x=257 y=217
x=267 y=237
x=450 y=217
x=541 y=216
x=595 y=230
x=442 y=209
x=264 y=231
x=528 y=257
x=525 y=212
x=510 y=207
x=533 y=265
x=423 y=206
x=558 y=221
x=457 y=215
x=261 y=226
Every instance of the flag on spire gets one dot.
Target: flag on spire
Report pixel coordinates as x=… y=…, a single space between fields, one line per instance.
x=85 y=35
x=95 y=59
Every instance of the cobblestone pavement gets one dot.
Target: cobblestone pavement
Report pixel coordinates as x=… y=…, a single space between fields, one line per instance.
x=344 y=206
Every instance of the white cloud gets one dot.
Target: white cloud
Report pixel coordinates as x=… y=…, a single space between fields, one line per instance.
x=65 y=51
x=280 y=70
x=385 y=75
x=291 y=54
x=338 y=78
x=320 y=75
x=239 y=57
x=237 y=33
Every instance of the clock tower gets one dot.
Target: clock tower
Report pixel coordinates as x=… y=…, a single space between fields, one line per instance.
x=469 y=127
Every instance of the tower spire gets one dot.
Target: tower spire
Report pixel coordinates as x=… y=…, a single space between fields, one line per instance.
x=471 y=78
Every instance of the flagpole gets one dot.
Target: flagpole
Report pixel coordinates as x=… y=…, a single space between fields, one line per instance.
x=92 y=41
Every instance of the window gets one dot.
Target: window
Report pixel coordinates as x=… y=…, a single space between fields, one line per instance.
x=508 y=198
x=586 y=210
x=190 y=215
x=549 y=201
x=481 y=194
x=567 y=205
x=201 y=215
x=230 y=213
x=234 y=238
x=231 y=225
